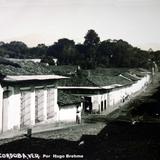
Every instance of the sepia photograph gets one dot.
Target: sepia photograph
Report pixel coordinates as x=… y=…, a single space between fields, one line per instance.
x=79 y=79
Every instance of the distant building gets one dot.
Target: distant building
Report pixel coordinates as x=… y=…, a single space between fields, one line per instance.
x=99 y=95
x=27 y=60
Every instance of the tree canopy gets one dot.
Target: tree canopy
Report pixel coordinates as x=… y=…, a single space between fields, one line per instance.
x=91 y=53
x=91 y=38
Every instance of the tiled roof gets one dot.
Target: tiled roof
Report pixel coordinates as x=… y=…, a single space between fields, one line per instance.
x=76 y=81
x=96 y=78
x=108 y=80
x=67 y=99
x=92 y=78
x=32 y=68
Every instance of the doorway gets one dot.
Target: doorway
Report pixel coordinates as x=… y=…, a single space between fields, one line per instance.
x=87 y=105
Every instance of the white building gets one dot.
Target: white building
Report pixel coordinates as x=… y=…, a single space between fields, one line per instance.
x=108 y=98
x=28 y=100
x=68 y=106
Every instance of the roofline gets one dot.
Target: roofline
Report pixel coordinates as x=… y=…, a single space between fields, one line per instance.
x=91 y=88
x=21 y=78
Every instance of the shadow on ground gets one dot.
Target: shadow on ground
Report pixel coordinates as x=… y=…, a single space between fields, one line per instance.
x=121 y=140
x=118 y=140
x=148 y=106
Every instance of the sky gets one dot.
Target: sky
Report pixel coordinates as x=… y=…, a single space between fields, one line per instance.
x=46 y=21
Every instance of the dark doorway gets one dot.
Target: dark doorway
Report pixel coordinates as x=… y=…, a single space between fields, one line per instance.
x=105 y=104
x=102 y=106
x=87 y=105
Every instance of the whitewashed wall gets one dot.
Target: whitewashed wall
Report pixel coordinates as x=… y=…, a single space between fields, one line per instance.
x=117 y=96
x=14 y=110
x=10 y=107
x=1 y=105
x=67 y=114
x=11 y=110
x=32 y=106
x=96 y=100
x=56 y=107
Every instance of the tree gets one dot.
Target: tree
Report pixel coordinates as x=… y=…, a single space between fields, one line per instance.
x=1 y=43
x=38 y=52
x=18 y=49
x=91 y=42
x=104 y=53
x=91 y=38
x=48 y=60
x=64 y=50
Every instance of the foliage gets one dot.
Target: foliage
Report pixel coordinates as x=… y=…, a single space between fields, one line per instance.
x=48 y=60
x=91 y=38
x=89 y=55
